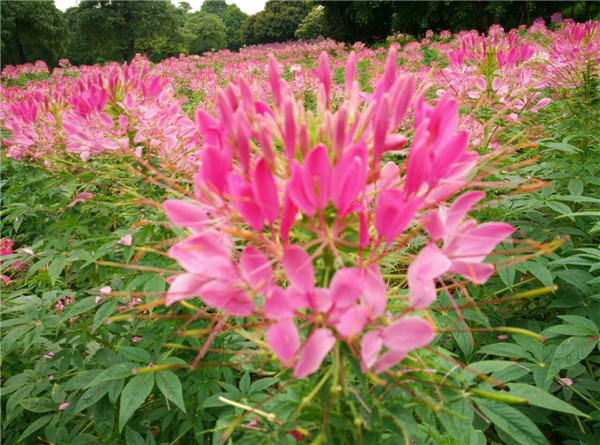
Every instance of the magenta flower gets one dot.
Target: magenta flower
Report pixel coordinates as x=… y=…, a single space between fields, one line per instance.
x=294 y=215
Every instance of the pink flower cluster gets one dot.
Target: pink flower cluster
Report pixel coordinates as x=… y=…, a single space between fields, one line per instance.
x=293 y=215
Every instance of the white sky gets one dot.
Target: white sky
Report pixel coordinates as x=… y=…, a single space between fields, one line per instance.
x=248 y=6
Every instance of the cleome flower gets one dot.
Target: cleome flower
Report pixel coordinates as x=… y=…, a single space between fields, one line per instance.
x=294 y=215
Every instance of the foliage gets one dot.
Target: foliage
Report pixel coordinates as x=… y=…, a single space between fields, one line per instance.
x=278 y=21
x=313 y=25
x=113 y=30
x=90 y=353
x=216 y=7
x=233 y=20
x=206 y=33
x=31 y=31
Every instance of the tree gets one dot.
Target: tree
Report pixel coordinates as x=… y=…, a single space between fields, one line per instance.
x=233 y=19
x=367 y=21
x=247 y=31
x=313 y=25
x=279 y=20
x=216 y=7
x=33 y=30
x=117 y=30
x=206 y=31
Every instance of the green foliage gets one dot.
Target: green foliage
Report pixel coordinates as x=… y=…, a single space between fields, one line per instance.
x=206 y=33
x=216 y=7
x=313 y=25
x=113 y=30
x=233 y=20
x=30 y=31
x=276 y=23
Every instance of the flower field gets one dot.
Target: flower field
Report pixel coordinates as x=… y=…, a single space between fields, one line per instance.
x=307 y=243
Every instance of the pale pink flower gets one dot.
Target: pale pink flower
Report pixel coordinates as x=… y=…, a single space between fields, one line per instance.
x=126 y=240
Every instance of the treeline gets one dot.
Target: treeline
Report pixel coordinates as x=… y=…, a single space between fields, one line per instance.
x=103 y=30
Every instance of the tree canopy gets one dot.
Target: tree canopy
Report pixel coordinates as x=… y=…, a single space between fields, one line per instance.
x=206 y=32
x=32 y=30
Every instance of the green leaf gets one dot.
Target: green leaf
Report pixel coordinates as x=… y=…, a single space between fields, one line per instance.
x=576 y=277
x=115 y=372
x=508 y=276
x=134 y=394
x=104 y=419
x=36 y=425
x=38 y=404
x=567 y=329
x=90 y=397
x=132 y=437
x=512 y=422
x=105 y=310
x=261 y=384
x=577 y=320
x=561 y=146
x=506 y=350
x=575 y=187
x=135 y=354
x=569 y=352
x=539 y=397
x=56 y=267
x=559 y=207
x=245 y=383
x=540 y=271
x=170 y=386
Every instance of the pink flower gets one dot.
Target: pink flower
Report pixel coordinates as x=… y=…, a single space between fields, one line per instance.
x=126 y=240
x=502 y=337
x=79 y=198
x=63 y=406
x=565 y=381
x=106 y=290
x=136 y=339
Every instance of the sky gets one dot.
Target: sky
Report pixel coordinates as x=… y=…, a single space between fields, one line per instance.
x=248 y=6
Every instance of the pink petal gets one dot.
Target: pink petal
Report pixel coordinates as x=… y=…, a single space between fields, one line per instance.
x=183 y=287
x=345 y=287
x=298 y=267
x=430 y=264
x=265 y=191
x=371 y=344
x=316 y=176
x=203 y=254
x=279 y=305
x=255 y=268
x=461 y=206
x=185 y=214
x=393 y=213
x=126 y=240
x=314 y=351
x=476 y=272
x=374 y=292
x=243 y=200
x=284 y=340
x=387 y=360
x=227 y=297
x=352 y=322
x=408 y=334
x=288 y=216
